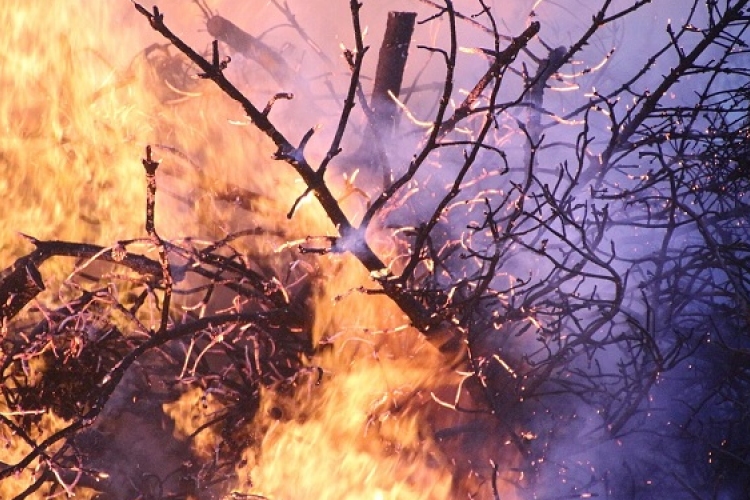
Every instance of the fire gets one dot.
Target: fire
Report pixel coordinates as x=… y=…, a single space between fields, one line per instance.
x=358 y=435
x=82 y=96
x=64 y=149
x=65 y=144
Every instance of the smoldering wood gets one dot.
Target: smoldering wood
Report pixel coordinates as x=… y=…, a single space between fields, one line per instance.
x=46 y=249
x=19 y=284
x=251 y=47
x=389 y=74
x=370 y=157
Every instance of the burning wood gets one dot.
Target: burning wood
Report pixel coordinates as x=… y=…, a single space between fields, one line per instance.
x=19 y=284
x=390 y=71
x=508 y=313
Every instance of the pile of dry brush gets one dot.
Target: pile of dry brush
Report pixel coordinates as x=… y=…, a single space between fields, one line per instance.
x=71 y=359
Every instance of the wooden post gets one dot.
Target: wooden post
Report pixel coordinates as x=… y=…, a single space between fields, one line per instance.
x=370 y=157
x=390 y=71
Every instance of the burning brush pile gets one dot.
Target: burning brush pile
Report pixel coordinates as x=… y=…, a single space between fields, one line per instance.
x=261 y=260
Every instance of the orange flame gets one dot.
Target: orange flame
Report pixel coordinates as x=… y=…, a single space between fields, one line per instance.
x=80 y=102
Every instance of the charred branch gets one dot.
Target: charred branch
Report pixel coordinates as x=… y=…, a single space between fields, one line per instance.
x=390 y=70
x=19 y=284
